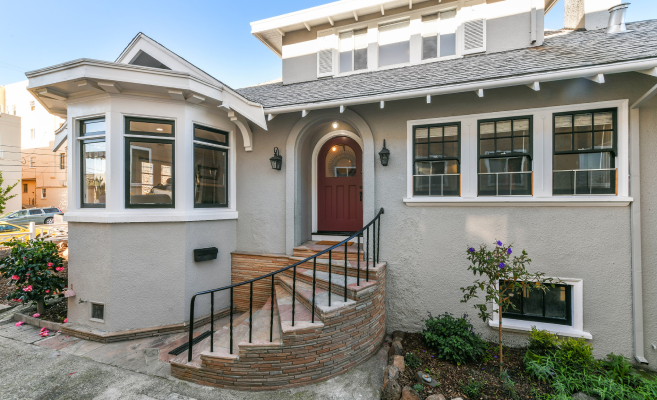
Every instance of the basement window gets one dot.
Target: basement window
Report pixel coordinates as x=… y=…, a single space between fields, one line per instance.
x=552 y=306
x=97 y=312
x=394 y=43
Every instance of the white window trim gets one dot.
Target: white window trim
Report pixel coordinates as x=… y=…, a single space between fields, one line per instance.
x=574 y=330
x=542 y=160
x=102 y=321
x=231 y=210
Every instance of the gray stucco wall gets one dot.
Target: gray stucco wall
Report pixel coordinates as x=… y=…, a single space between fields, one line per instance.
x=149 y=271
x=424 y=246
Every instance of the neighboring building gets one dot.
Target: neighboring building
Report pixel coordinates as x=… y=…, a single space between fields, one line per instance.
x=44 y=172
x=10 y=157
x=497 y=129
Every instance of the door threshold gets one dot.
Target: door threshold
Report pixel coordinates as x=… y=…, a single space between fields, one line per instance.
x=331 y=236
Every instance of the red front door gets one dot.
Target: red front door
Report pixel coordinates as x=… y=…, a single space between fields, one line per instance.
x=339 y=186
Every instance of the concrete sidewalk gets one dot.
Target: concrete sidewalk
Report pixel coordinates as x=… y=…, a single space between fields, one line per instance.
x=30 y=370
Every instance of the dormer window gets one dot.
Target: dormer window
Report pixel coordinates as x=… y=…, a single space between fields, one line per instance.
x=394 y=43
x=439 y=35
x=353 y=50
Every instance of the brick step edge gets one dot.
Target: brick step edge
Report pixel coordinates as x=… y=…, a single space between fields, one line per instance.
x=337 y=290
x=41 y=323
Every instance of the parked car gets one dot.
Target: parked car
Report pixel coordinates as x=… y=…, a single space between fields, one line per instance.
x=7 y=231
x=44 y=215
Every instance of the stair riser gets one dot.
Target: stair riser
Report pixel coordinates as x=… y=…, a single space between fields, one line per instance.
x=339 y=269
x=338 y=291
x=335 y=255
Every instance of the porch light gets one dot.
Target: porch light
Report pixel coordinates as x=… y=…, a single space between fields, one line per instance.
x=384 y=154
x=276 y=160
x=335 y=125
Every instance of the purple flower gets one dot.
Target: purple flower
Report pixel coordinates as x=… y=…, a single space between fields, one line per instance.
x=509 y=251
x=471 y=249
x=496 y=356
x=499 y=243
x=501 y=265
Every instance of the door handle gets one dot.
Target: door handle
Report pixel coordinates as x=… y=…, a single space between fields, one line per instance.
x=361 y=196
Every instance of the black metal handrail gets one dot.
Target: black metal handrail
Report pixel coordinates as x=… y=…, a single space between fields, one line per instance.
x=376 y=238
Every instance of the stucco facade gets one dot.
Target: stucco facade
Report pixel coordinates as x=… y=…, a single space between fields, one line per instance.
x=10 y=156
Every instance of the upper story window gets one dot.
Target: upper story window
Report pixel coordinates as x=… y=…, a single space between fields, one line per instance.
x=93 y=163
x=149 y=174
x=353 y=50
x=394 y=43
x=584 y=153
x=439 y=35
x=505 y=166
x=436 y=160
x=210 y=167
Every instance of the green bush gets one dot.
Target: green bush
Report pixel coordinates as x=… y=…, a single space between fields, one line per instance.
x=542 y=342
x=473 y=389
x=453 y=339
x=412 y=361
x=575 y=352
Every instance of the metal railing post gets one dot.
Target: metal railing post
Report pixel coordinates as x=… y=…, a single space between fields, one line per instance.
x=212 y=321
x=373 y=242
x=251 y=310
x=367 y=254
x=231 y=320
x=329 y=283
x=191 y=329
x=314 y=272
x=378 y=245
x=294 y=290
x=271 y=316
x=357 y=262
x=345 y=270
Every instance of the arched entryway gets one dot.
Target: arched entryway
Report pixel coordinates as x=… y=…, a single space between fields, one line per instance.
x=339 y=186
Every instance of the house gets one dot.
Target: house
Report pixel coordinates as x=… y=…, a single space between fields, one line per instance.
x=463 y=122
x=43 y=172
x=10 y=157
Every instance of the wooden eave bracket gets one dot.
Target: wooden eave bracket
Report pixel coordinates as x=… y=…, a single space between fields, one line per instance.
x=52 y=93
x=110 y=87
x=243 y=125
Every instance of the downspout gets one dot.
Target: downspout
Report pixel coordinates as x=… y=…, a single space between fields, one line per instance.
x=635 y=237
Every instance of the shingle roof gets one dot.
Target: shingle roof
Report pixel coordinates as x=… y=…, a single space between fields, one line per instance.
x=567 y=51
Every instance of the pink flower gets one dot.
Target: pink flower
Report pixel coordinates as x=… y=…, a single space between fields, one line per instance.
x=50 y=264
x=37 y=315
x=18 y=300
x=15 y=277
x=43 y=329
x=27 y=289
x=66 y=319
x=19 y=323
x=48 y=291
x=59 y=269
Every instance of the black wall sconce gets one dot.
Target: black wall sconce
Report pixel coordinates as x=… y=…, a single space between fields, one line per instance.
x=384 y=154
x=276 y=160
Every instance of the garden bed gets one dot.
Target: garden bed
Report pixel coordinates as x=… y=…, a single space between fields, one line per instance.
x=482 y=378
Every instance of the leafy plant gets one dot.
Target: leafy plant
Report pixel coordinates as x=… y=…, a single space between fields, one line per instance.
x=412 y=361
x=32 y=266
x=453 y=339
x=509 y=385
x=473 y=388
x=503 y=276
x=418 y=387
x=575 y=352
x=618 y=368
x=542 y=342
x=4 y=193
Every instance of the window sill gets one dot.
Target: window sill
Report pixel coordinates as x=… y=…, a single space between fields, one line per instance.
x=526 y=326
x=529 y=201
x=152 y=215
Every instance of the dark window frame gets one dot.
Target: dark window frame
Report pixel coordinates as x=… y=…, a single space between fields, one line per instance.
x=128 y=167
x=227 y=155
x=529 y=154
x=62 y=160
x=91 y=120
x=172 y=135
x=82 y=164
x=568 y=321
x=213 y=130
x=458 y=151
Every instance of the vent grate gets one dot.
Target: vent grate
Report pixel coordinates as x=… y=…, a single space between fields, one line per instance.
x=474 y=34
x=181 y=349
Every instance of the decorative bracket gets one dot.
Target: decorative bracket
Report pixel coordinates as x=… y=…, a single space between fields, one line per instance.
x=242 y=123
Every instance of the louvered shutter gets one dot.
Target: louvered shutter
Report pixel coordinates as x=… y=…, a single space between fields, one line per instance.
x=474 y=36
x=325 y=55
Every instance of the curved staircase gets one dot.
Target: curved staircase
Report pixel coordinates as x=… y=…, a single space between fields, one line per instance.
x=308 y=336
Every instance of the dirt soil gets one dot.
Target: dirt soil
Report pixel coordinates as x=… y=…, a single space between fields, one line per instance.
x=454 y=378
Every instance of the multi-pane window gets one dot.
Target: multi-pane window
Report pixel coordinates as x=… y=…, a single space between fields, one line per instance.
x=439 y=35
x=353 y=50
x=436 y=160
x=210 y=167
x=505 y=165
x=554 y=305
x=394 y=43
x=93 y=162
x=584 y=153
x=43 y=193
x=149 y=173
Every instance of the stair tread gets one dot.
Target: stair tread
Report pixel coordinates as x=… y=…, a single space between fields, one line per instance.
x=321 y=295
x=313 y=246
x=302 y=316
x=340 y=263
x=337 y=279
x=261 y=327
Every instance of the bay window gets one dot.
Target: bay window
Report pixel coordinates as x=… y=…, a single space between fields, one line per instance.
x=93 y=163
x=505 y=165
x=210 y=167
x=584 y=153
x=394 y=43
x=353 y=50
x=149 y=172
x=436 y=160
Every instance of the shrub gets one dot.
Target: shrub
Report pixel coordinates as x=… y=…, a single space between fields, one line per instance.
x=32 y=266
x=575 y=352
x=473 y=389
x=542 y=342
x=453 y=339
x=618 y=368
x=412 y=361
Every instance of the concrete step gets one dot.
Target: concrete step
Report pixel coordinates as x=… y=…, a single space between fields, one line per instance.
x=354 y=285
x=354 y=268
x=302 y=315
x=304 y=295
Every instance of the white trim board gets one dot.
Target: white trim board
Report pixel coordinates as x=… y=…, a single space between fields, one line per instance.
x=542 y=158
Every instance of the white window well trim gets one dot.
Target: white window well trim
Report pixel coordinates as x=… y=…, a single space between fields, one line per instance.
x=574 y=330
x=91 y=303
x=542 y=159
x=210 y=214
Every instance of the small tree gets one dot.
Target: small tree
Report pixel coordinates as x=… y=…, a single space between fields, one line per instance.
x=4 y=193
x=503 y=276
x=32 y=266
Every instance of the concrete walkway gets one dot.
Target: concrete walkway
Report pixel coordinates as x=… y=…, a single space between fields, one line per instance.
x=68 y=368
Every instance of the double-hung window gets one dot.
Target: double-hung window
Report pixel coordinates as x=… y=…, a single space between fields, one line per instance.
x=394 y=43
x=505 y=165
x=210 y=167
x=353 y=50
x=554 y=305
x=149 y=158
x=93 y=162
x=584 y=153
x=436 y=160
x=439 y=35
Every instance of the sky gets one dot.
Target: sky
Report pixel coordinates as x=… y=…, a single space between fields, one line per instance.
x=213 y=35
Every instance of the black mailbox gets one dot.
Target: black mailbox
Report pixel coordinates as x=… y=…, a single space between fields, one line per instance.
x=206 y=254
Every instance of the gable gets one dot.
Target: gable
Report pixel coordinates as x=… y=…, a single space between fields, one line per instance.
x=146 y=60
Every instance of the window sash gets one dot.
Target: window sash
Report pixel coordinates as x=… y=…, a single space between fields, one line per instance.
x=573 y=132
x=226 y=178
x=520 y=314
x=212 y=130
x=449 y=183
x=394 y=43
x=83 y=178
x=353 y=50
x=128 y=169
x=128 y=131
